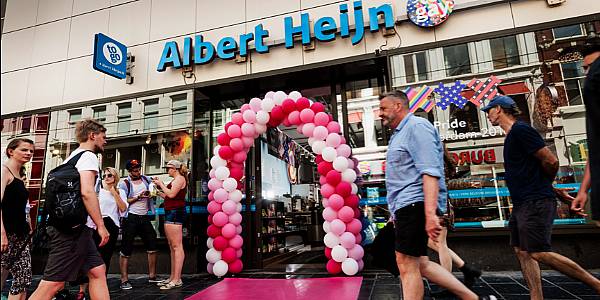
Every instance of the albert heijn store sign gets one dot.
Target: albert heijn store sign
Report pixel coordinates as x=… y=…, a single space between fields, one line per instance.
x=197 y=51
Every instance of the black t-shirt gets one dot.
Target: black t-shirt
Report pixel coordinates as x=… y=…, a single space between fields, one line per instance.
x=591 y=98
x=525 y=178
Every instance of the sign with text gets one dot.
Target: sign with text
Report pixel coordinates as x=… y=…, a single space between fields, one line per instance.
x=110 y=56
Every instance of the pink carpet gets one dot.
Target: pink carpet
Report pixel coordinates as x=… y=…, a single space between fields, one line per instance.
x=338 y=288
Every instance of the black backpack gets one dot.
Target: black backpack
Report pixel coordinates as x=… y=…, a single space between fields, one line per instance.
x=64 y=204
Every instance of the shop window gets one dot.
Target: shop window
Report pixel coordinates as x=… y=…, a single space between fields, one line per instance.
x=99 y=113
x=124 y=118
x=152 y=163
x=151 y=115
x=127 y=153
x=505 y=52
x=573 y=77
x=357 y=134
x=109 y=158
x=26 y=124
x=415 y=67
x=567 y=31
x=179 y=109
x=469 y=114
x=74 y=116
x=8 y=126
x=457 y=60
x=41 y=123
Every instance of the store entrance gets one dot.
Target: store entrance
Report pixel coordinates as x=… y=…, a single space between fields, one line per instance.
x=282 y=227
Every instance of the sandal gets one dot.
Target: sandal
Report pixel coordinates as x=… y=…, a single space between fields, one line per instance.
x=172 y=285
x=163 y=282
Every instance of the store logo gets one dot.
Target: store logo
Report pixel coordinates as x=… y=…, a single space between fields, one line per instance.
x=112 y=53
x=109 y=56
x=429 y=13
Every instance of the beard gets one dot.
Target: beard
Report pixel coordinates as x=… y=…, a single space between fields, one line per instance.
x=98 y=149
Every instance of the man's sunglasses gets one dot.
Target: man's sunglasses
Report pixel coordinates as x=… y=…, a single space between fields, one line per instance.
x=107 y=176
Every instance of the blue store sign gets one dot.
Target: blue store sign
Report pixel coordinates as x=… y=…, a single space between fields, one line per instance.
x=110 y=56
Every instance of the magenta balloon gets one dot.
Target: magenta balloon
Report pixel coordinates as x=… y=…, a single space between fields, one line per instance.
x=294 y=117
x=357 y=252
x=337 y=226
x=213 y=207
x=220 y=219
x=236 y=144
x=229 y=255
x=333 y=140
x=239 y=156
x=248 y=141
x=307 y=129
x=321 y=119
x=346 y=214
x=229 y=207
x=347 y=240
x=237 y=118
x=235 y=219
x=234 y=131
x=358 y=238
x=327 y=190
x=354 y=226
x=334 y=127
x=307 y=115
x=336 y=202
x=228 y=231
x=343 y=150
x=328 y=214
x=248 y=129
x=221 y=195
x=236 y=242
x=320 y=132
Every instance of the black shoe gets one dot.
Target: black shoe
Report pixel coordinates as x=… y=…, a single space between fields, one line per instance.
x=470 y=274
x=62 y=295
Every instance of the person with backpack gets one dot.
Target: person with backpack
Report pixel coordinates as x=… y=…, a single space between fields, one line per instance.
x=137 y=222
x=73 y=212
x=16 y=257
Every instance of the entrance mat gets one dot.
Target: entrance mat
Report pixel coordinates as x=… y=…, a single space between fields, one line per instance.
x=338 y=288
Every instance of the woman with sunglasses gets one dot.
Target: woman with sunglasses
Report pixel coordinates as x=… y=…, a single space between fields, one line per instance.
x=174 y=195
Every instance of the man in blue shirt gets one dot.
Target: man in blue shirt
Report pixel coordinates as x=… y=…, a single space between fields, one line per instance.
x=416 y=193
x=530 y=168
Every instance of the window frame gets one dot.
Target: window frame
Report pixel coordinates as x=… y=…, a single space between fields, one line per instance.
x=577 y=79
x=581 y=29
x=122 y=118
x=154 y=114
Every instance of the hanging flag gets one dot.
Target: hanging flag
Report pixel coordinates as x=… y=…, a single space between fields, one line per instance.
x=484 y=90
x=451 y=95
x=419 y=98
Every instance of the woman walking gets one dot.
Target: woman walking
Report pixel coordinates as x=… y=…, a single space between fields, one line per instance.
x=16 y=257
x=174 y=195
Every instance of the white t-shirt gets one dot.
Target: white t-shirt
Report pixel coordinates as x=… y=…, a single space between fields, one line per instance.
x=108 y=205
x=139 y=207
x=87 y=162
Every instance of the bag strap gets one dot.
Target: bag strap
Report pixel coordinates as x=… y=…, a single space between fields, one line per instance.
x=128 y=185
x=73 y=161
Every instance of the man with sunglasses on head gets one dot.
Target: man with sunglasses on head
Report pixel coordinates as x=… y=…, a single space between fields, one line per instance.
x=140 y=213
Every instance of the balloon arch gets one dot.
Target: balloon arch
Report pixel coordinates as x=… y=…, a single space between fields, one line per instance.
x=334 y=163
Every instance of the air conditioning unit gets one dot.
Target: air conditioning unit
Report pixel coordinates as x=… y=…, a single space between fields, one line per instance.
x=555 y=2
x=187 y=72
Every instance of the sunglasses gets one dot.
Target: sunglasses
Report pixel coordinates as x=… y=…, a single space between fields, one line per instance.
x=107 y=176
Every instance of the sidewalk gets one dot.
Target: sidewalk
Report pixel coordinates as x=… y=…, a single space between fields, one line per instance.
x=376 y=285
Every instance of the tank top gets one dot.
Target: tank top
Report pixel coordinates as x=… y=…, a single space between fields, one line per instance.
x=13 y=207
x=178 y=201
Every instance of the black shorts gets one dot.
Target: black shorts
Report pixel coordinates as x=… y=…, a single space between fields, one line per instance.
x=409 y=226
x=531 y=225
x=71 y=255
x=135 y=225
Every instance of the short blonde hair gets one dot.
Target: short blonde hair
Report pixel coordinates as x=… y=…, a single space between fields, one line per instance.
x=114 y=173
x=87 y=126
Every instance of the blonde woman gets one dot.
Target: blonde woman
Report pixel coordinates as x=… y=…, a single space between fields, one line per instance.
x=174 y=195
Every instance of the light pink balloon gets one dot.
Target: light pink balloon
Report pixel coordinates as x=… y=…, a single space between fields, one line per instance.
x=255 y=104
x=235 y=219
x=248 y=129
x=236 y=242
x=357 y=252
x=240 y=157
x=236 y=144
x=228 y=231
x=337 y=226
x=234 y=131
x=329 y=214
x=220 y=219
x=238 y=229
x=320 y=133
x=334 y=127
x=344 y=150
x=249 y=116
x=350 y=164
x=354 y=226
x=209 y=268
x=307 y=115
x=346 y=214
x=221 y=195
x=245 y=107
x=215 y=184
x=347 y=240
x=213 y=207
x=321 y=119
x=325 y=202
x=327 y=190
x=239 y=253
x=248 y=141
x=211 y=173
x=307 y=129
x=294 y=117
x=300 y=128
x=361 y=265
x=333 y=140
x=237 y=118
x=336 y=202
x=229 y=207
x=343 y=140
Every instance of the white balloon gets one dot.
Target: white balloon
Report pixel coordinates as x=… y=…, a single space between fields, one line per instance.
x=267 y=104
x=222 y=173
x=339 y=253
x=229 y=184
x=216 y=150
x=329 y=154
x=340 y=164
x=249 y=116
x=331 y=240
x=354 y=188
x=349 y=266
x=269 y=94
x=259 y=129
x=262 y=117
x=325 y=227
x=220 y=268
x=209 y=242
x=216 y=162
x=213 y=255
x=279 y=97
x=294 y=95
x=318 y=147
x=235 y=196
x=349 y=176
x=311 y=140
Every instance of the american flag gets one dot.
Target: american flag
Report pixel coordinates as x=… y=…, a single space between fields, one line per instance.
x=451 y=95
x=483 y=89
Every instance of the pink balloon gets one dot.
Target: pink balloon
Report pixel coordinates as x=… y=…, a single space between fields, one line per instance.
x=240 y=156
x=357 y=252
x=221 y=195
x=307 y=129
x=361 y=265
x=343 y=189
x=214 y=184
x=325 y=202
x=237 y=118
x=346 y=214
x=294 y=117
x=211 y=196
x=350 y=164
x=300 y=128
x=248 y=129
x=344 y=150
x=347 y=240
x=238 y=229
x=302 y=103
x=234 y=131
x=211 y=173
x=343 y=140
x=336 y=202
x=307 y=115
x=358 y=238
x=236 y=144
x=286 y=123
x=229 y=255
x=237 y=265
x=220 y=219
x=236 y=242
x=327 y=190
x=337 y=226
x=334 y=177
x=321 y=119
x=322 y=180
x=239 y=253
x=255 y=104
x=235 y=219
x=249 y=116
x=354 y=226
x=329 y=214
x=320 y=133
x=229 y=207
x=334 y=127
x=209 y=268
x=248 y=141
x=213 y=207
x=356 y=212
x=228 y=231
x=333 y=140
x=245 y=107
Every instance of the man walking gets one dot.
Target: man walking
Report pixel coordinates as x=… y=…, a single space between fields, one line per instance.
x=75 y=253
x=416 y=191
x=530 y=168
x=137 y=222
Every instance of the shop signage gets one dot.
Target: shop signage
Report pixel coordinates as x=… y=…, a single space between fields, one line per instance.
x=478 y=156
x=110 y=56
x=197 y=51
x=429 y=13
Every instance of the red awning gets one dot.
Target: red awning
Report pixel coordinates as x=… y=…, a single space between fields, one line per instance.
x=505 y=89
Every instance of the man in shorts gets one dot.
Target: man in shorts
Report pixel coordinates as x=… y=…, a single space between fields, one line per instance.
x=530 y=168
x=75 y=254
x=416 y=193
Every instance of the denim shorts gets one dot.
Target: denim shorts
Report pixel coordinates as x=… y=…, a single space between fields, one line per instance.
x=175 y=216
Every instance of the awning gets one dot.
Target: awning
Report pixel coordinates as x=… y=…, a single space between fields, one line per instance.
x=515 y=88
